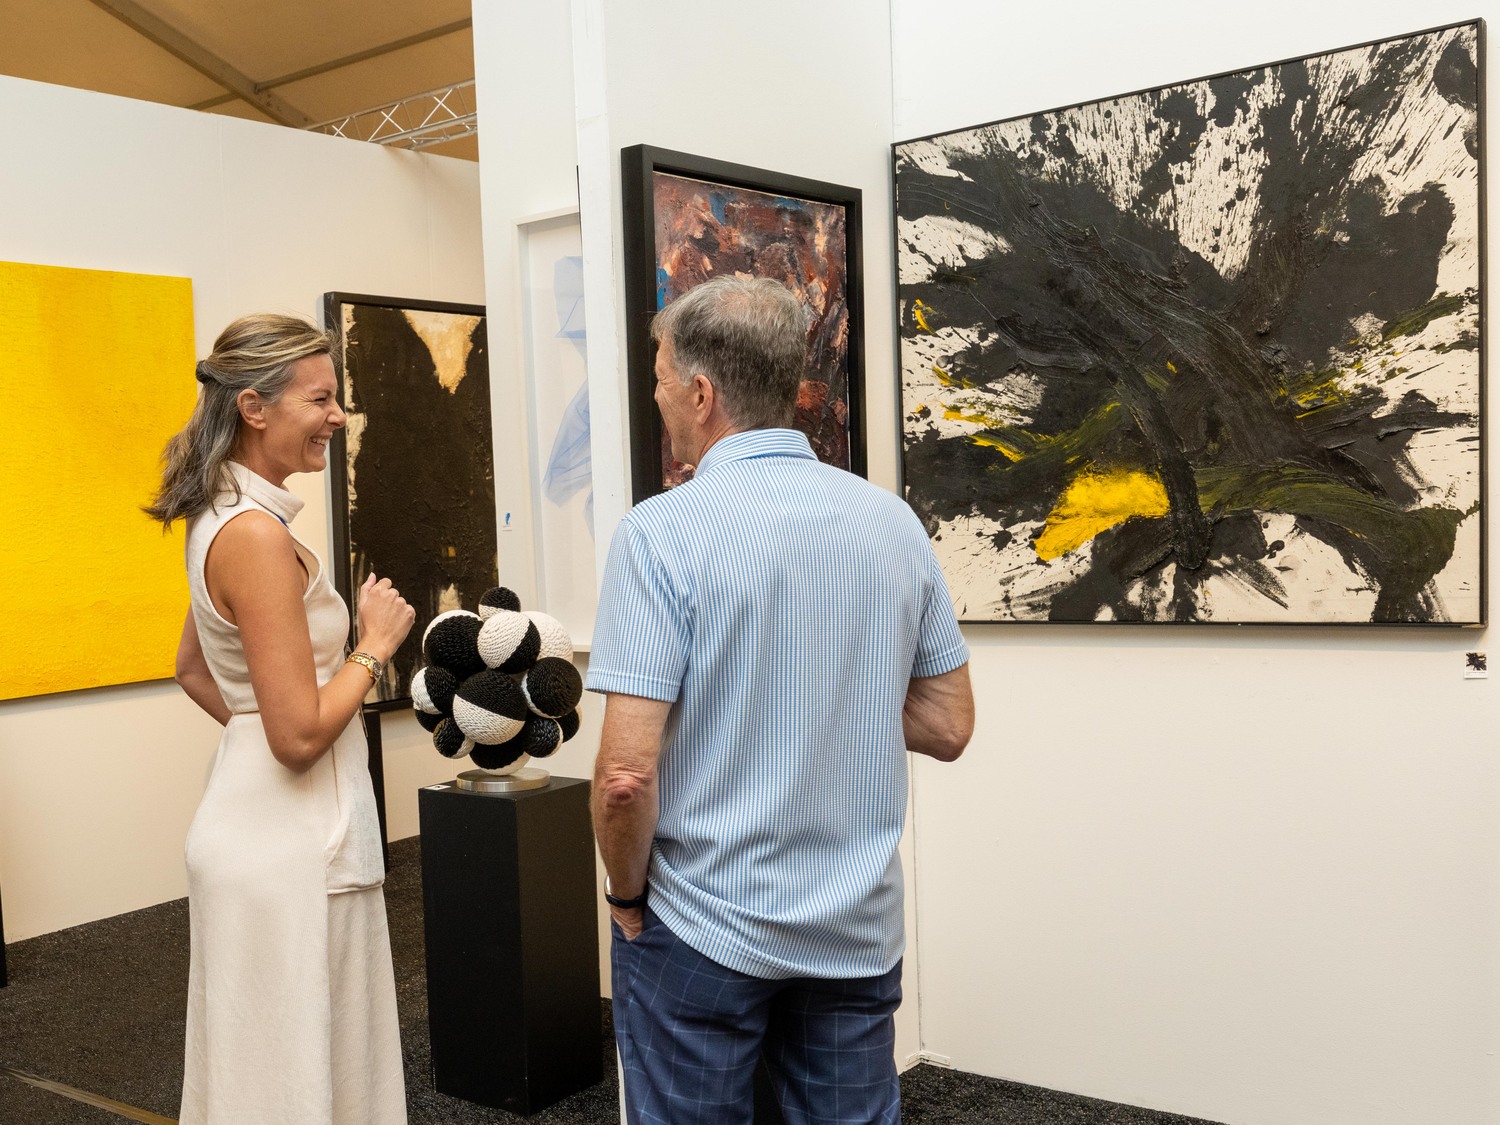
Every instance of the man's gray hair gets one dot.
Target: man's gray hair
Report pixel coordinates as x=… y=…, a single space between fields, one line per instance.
x=748 y=335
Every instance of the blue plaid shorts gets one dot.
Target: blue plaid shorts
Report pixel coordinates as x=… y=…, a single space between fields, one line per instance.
x=690 y=1031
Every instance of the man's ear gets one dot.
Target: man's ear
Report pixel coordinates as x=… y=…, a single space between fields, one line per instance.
x=706 y=395
x=252 y=409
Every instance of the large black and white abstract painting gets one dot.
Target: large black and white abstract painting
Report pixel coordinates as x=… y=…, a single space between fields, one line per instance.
x=1207 y=353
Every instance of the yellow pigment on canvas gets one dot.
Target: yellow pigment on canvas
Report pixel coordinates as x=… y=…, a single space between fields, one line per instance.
x=1096 y=501
x=95 y=376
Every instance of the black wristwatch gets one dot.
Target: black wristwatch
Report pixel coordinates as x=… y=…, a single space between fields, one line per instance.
x=625 y=903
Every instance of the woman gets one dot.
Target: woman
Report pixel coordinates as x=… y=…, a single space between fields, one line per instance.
x=291 y=997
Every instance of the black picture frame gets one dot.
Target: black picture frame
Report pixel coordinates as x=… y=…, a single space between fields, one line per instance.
x=436 y=484
x=639 y=166
x=1028 y=198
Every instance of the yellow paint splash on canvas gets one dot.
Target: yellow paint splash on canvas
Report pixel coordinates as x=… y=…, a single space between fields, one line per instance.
x=1095 y=501
x=95 y=376
x=991 y=441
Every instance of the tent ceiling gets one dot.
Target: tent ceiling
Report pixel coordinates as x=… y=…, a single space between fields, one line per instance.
x=116 y=47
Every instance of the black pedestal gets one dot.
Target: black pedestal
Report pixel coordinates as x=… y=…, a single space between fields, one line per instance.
x=512 y=943
x=4 y=976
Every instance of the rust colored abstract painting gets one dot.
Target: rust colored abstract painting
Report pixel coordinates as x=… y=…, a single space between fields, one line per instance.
x=699 y=219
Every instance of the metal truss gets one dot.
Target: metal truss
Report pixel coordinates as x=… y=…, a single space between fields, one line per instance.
x=164 y=35
x=444 y=114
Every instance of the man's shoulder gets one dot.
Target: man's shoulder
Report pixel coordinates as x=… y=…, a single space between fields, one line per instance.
x=696 y=502
x=664 y=508
x=854 y=490
x=715 y=489
x=857 y=485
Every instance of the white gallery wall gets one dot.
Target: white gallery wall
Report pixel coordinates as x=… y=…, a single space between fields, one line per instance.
x=752 y=85
x=1250 y=875
x=529 y=168
x=1246 y=874
x=97 y=787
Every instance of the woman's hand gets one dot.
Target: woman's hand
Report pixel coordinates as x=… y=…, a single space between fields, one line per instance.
x=384 y=618
x=253 y=571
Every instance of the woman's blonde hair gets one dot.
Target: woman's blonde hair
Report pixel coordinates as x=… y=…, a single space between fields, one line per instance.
x=255 y=353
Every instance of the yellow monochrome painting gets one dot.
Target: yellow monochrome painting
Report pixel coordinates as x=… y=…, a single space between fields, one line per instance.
x=95 y=376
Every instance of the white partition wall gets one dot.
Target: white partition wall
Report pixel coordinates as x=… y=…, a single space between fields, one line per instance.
x=1245 y=874
x=795 y=88
x=97 y=787
x=1251 y=875
x=803 y=89
x=529 y=155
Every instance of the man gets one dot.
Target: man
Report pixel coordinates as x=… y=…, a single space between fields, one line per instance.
x=772 y=637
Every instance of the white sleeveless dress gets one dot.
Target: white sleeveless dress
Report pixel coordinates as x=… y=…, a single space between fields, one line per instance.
x=291 y=997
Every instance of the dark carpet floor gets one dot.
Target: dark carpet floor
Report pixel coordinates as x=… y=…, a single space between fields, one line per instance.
x=100 y=1008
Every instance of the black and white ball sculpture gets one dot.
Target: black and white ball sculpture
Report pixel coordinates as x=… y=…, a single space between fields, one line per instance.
x=499 y=687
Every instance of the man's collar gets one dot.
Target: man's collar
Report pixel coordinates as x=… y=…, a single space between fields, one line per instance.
x=755 y=443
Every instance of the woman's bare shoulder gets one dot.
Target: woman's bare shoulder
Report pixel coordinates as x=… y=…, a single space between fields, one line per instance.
x=255 y=531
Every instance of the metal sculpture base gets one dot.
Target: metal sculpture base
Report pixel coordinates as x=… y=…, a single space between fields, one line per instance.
x=482 y=781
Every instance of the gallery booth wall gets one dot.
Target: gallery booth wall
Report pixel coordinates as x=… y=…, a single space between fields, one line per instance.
x=1247 y=874
x=1243 y=873
x=802 y=89
x=97 y=787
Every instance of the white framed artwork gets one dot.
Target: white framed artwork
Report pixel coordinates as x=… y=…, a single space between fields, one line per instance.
x=557 y=397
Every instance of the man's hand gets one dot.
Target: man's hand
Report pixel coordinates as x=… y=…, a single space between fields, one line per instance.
x=631 y=922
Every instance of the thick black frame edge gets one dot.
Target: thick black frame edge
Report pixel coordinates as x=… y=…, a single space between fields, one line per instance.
x=854 y=300
x=403 y=303
x=639 y=255
x=898 y=361
x=343 y=579
x=1480 y=32
x=1476 y=21
x=638 y=164
x=338 y=468
x=1480 y=38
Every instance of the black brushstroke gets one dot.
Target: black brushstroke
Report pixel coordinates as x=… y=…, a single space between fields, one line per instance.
x=1457 y=79
x=424 y=514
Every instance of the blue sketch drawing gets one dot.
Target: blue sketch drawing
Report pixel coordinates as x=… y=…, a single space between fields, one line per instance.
x=570 y=464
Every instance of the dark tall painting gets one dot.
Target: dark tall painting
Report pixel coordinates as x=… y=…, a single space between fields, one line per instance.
x=1207 y=353
x=413 y=471
x=689 y=218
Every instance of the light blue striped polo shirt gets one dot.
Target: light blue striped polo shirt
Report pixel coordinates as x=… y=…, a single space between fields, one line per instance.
x=783 y=605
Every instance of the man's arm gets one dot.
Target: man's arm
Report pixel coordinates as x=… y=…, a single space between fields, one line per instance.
x=938 y=718
x=623 y=799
